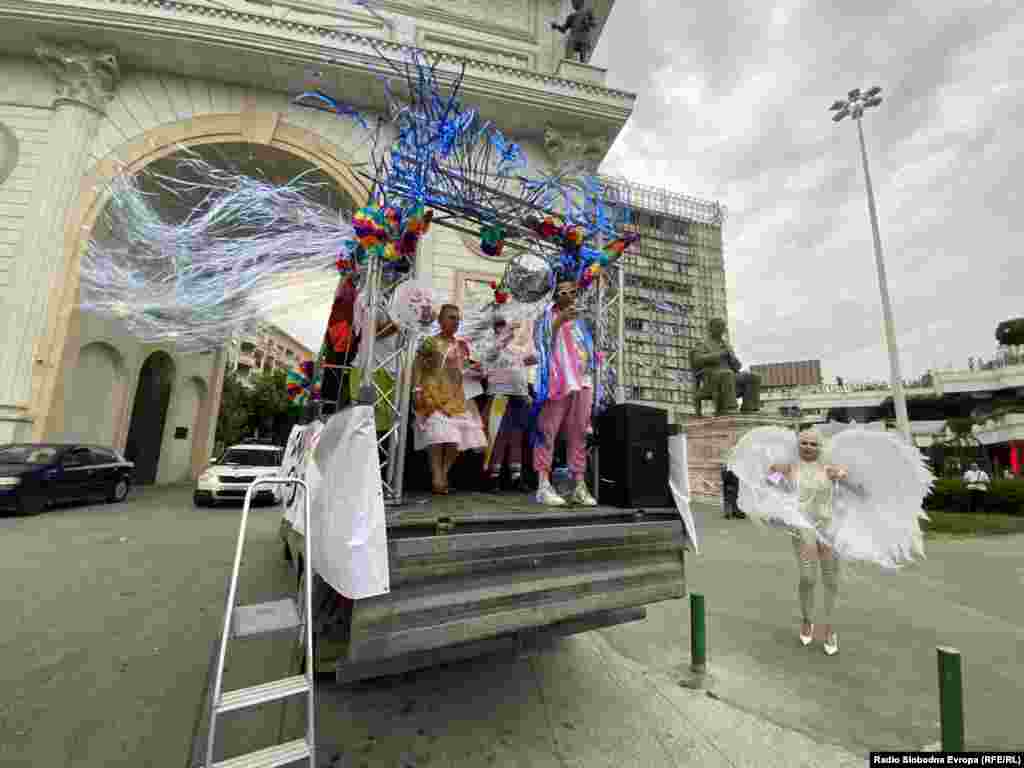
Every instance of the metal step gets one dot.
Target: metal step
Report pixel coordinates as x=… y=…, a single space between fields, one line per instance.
x=271 y=757
x=262 y=618
x=261 y=694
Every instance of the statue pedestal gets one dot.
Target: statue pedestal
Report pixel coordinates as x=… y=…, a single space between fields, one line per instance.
x=708 y=442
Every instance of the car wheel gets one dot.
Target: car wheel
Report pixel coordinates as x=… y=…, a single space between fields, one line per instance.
x=31 y=505
x=200 y=501
x=118 y=491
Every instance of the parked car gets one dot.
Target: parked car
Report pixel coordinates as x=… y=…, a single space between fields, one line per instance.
x=34 y=475
x=230 y=476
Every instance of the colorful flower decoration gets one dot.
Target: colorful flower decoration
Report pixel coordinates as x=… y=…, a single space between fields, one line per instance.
x=492 y=239
x=298 y=387
x=500 y=297
x=572 y=235
x=619 y=245
x=381 y=232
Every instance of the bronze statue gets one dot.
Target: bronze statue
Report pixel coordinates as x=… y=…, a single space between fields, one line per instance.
x=579 y=25
x=718 y=375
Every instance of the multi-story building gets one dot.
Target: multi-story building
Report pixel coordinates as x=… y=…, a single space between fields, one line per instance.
x=799 y=373
x=992 y=395
x=267 y=350
x=675 y=283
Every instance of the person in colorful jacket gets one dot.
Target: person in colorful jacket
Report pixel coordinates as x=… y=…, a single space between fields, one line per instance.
x=566 y=365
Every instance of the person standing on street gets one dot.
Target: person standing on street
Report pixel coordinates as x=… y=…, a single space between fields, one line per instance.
x=977 y=486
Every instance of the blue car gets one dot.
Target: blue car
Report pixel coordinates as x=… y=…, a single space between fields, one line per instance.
x=33 y=476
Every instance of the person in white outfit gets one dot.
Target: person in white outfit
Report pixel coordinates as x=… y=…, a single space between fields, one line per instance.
x=977 y=481
x=814 y=480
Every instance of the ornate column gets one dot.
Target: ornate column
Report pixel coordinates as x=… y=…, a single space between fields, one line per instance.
x=85 y=81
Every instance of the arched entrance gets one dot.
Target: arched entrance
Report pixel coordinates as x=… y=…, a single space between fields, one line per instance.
x=253 y=127
x=149 y=416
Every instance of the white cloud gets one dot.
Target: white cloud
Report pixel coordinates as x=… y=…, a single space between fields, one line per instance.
x=733 y=106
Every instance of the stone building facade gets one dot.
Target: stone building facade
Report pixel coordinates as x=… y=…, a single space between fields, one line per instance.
x=95 y=88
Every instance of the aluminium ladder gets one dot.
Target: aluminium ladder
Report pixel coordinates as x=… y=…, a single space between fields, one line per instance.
x=258 y=619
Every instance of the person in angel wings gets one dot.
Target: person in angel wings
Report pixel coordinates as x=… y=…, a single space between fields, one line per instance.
x=854 y=497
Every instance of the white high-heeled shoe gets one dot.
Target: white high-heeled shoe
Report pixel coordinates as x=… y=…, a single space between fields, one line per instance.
x=832 y=644
x=806 y=640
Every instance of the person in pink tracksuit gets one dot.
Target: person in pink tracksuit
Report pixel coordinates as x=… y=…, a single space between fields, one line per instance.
x=566 y=372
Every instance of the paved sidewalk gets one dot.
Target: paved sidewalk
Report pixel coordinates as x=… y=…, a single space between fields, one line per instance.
x=577 y=703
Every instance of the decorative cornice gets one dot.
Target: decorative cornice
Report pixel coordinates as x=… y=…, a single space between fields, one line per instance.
x=84 y=76
x=418 y=10
x=327 y=39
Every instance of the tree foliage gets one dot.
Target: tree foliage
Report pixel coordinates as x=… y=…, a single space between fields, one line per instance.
x=233 y=416
x=260 y=407
x=1011 y=332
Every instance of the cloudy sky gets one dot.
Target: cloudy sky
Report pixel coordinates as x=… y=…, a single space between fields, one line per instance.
x=732 y=105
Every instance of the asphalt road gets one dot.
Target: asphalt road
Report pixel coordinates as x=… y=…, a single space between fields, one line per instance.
x=881 y=691
x=109 y=613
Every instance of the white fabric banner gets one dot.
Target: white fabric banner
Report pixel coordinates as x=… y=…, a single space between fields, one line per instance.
x=301 y=443
x=350 y=540
x=679 y=484
x=339 y=464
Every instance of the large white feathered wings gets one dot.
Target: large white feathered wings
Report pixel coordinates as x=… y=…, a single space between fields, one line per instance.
x=877 y=512
x=763 y=497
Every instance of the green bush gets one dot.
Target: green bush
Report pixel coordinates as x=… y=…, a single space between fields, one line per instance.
x=960 y=524
x=1005 y=497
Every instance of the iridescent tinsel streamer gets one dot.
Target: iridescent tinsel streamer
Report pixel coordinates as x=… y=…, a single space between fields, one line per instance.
x=246 y=251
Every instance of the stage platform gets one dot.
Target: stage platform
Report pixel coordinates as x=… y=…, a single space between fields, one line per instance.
x=476 y=508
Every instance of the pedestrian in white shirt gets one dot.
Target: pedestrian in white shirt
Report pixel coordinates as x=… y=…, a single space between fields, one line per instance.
x=977 y=486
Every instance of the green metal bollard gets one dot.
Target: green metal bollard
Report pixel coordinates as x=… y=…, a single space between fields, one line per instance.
x=698 y=636
x=951 y=700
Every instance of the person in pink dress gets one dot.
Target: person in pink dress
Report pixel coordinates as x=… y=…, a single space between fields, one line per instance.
x=444 y=425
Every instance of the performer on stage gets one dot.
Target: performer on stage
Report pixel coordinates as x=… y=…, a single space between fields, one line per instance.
x=856 y=497
x=509 y=410
x=385 y=361
x=340 y=346
x=565 y=393
x=443 y=422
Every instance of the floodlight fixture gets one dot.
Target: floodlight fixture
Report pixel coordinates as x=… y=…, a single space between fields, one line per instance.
x=855 y=106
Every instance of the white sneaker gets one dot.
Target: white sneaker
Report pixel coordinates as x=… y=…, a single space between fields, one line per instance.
x=805 y=640
x=832 y=644
x=581 y=496
x=546 y=495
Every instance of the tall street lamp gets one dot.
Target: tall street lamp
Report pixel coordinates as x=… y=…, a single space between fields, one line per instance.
x=853 y=106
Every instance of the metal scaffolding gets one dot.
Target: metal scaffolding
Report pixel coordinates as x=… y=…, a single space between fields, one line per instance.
x=631 y=195
x=603 y=304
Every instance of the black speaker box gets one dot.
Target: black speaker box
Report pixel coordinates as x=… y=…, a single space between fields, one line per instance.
x=633 y=445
